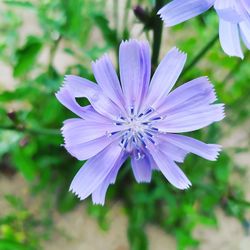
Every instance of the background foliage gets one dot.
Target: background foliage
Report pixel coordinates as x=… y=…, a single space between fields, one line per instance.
x=30 y=137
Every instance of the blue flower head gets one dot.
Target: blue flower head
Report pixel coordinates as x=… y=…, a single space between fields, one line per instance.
x=136 y=118
x=234 y=19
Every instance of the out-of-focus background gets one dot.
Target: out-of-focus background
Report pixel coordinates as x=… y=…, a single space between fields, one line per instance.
x=40 y=42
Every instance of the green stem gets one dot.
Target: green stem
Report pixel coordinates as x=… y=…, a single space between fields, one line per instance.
x=200 y=54
x=240 y=201
x=36 y=131
x=126 y=15
x=53 y=50
x=157 y=33
x=115 y=14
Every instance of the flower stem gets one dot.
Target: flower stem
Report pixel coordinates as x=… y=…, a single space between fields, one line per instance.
x=53 y=51
x=126 y=15
x=157 y=33
x=200 y=54
x=115 y=14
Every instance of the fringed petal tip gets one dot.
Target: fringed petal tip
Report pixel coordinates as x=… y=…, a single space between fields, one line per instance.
x=143 y=181
x=133 y=42
x=211 y=89
x=61 y=91
x=67 y=77
x=223 y=112
x=163 y=17
x=179 y=51
x=98 y=200
x=140 y=181
x=183 y=183
x=104 y=57
x=219 y=112
x=73 y=191
x=78 y=196
x=98 y=203
x=178 y=11
x=186 y=186
x=214 y=153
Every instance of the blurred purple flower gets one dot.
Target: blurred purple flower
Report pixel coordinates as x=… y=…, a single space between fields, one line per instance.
x=138 y=118
x=234 y=19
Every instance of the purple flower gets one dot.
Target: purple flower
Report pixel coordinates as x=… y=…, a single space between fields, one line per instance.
x=234 y=16
x=138 y=118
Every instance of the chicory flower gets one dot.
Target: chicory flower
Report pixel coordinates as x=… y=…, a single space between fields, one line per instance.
x=234 y=19
x=136 y=118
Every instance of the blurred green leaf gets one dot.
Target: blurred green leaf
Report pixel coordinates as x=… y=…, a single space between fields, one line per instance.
x=16 y=202
x=11 y=245
x=109 y=34
x=222 y=170
x=27 y=55
x=66 y=201
x=22 y=159
x=15 y=3
x=99 y=212
x=185 y=239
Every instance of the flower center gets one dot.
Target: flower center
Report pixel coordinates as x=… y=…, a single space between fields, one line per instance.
x=137 y=129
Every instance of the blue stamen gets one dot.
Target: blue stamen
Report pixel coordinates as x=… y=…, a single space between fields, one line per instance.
x=151 y=140
x=140 y=135
x=132 y=110
x=156 y=118
x=147 y=133
x=122 y=140
x=143 y=143
x=148 y=111
x=126 y=143
x=155 y=129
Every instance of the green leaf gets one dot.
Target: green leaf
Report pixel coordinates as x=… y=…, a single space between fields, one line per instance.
x=20 y=93
x=100 y=213
x=22 y=159
x=66 y=201
x=25 y=4
x=222 y=170
x=185 y=239
x=12 y=245
x=109 y=34
x=15 y=202
x=27 y=55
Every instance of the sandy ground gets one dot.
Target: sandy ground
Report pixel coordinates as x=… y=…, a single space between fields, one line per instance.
x=77 y=231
